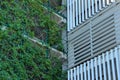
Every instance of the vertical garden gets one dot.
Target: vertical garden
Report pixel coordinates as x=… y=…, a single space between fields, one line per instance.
x=21 y=59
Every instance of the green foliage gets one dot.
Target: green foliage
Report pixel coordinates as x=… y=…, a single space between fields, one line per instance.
x=20 y=59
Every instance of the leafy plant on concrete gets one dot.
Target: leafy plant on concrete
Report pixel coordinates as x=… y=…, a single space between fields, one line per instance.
x=21 y=59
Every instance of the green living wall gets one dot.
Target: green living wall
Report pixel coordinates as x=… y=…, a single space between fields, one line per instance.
x=20 y=59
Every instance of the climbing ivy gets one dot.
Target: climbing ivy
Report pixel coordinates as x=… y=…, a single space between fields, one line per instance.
x=21 y=59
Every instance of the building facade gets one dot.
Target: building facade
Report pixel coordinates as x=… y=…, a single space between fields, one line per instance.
x=93 y=39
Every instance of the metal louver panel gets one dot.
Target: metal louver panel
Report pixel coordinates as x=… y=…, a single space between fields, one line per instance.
x=105 y=66
x=103 y=35
x=81 y=10
x=95 y=40
x=95 y=36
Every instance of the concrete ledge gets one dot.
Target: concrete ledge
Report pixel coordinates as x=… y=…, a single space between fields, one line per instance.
x=53 y=52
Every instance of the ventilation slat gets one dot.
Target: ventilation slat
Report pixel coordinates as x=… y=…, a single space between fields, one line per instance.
x=101 y=39
x=84 y=44
x=107 y=29
x=101 y=26
x=102 y=21
x=105 y=47
x=80 y=55
x=82 y=40
x=80 y=52
x=104 y=42
x=103 y=33
x=79 y=45
x=82 y=58
x=81 y=36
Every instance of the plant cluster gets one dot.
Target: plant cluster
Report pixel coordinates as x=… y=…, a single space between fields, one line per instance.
x=20 y=59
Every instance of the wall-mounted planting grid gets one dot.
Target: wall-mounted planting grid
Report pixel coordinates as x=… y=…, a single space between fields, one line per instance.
x=80 y=10
x=102 y=67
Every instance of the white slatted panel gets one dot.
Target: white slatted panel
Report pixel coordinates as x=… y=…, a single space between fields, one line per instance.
x=83 y=8
x=92 y=69
x=108 y=66
x=103 y=3
x=79 y=4
x=71 y=75
x=118 y=57
x=89 y=7
x=112 y=0
x=96 y=70
x=73 y=13
x=103 y=66
x=86 y=7
x=100 y=67
x=78 y=73
x=68 y=15
x=75 y=74
x=88 y=68
x=100 y=5
x=81 y=72
x=68 y=75
x=96 y=5
x=85 y=76
x=93 y=7
x=76 y=11
x=80 y=10
x=117 y=62
x=113 y=64
x=108 y=1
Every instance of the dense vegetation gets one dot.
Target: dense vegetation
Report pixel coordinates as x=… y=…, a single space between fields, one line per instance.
x=20 y=59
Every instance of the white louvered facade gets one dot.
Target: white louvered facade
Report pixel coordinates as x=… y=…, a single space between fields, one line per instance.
x=78 y=11
x=93 y=39
x=102 y=67
x=95 y=35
